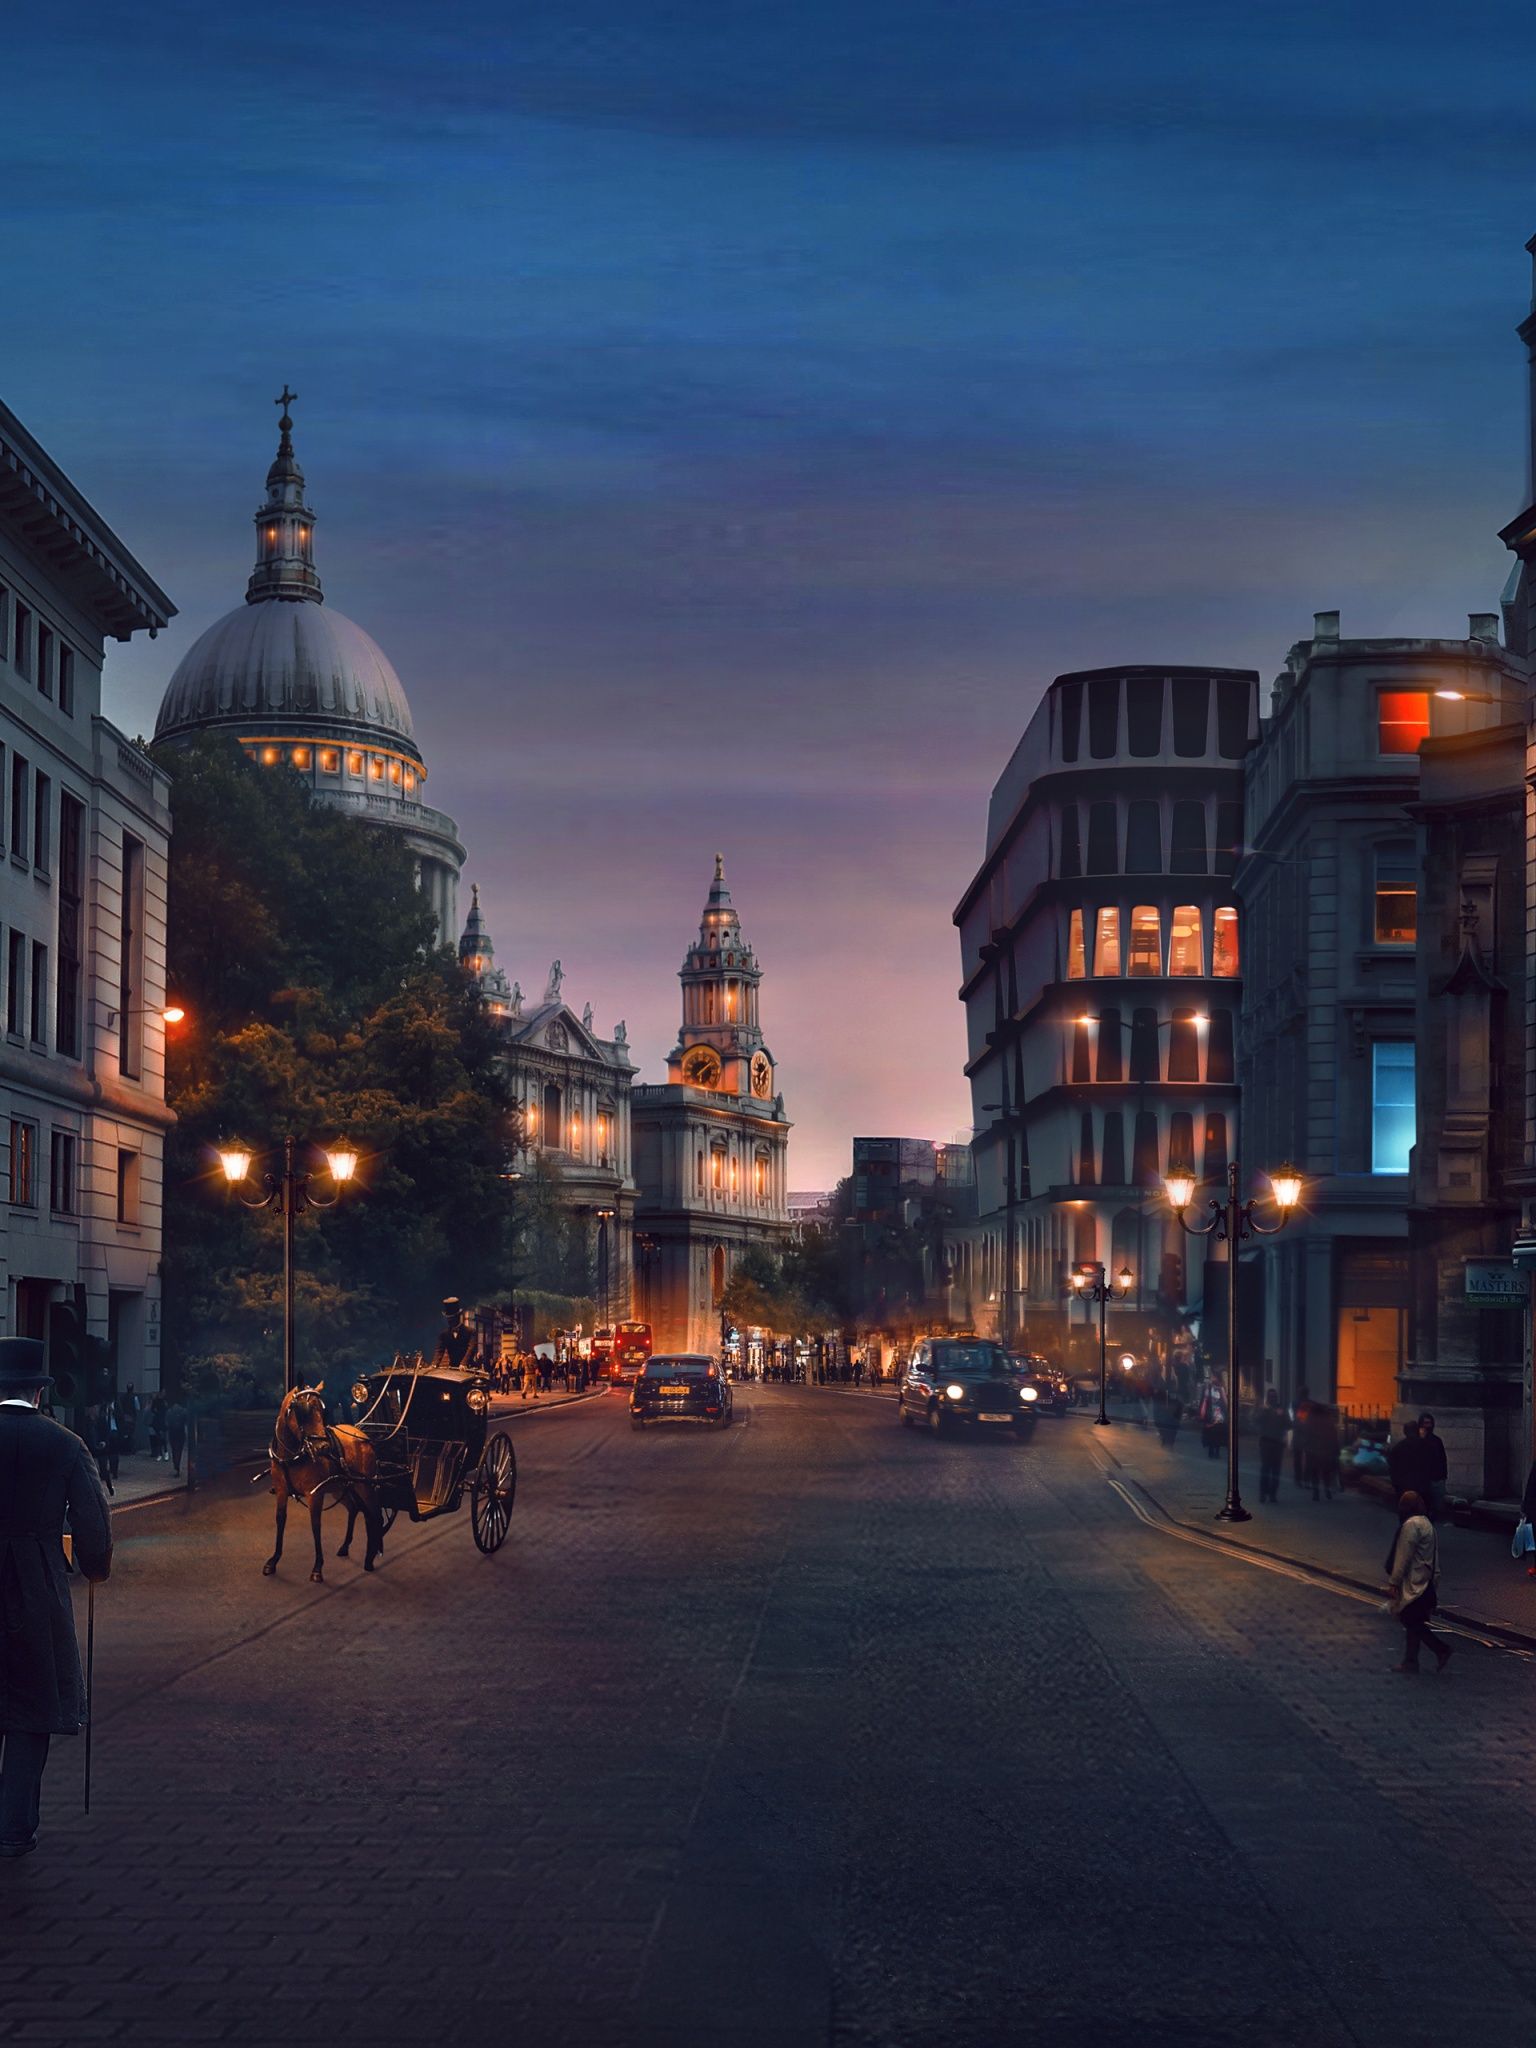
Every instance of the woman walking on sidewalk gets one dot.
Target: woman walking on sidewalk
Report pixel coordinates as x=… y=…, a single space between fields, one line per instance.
x=1414 y=1579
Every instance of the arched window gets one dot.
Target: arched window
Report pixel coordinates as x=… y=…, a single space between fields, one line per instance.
x=1147 y=940
x=1077 y=959
x=554 y=1127
x=760 y=1176
x=1109 y=1044
x=1215 y=1147
x=1184 y=1048
x=1188 y=838
x=1220 y=1064
x=1145 y=1167
x=1081 y=1052
x=716 y=1169
x=1181 y=1142
x=1224 y=942
x=717 y=1274
x=1185 y=951
x=1103 y=839
x=1114 y=1149
x=1143 y=837
x=1106 y=946
x=1144 y=1060
x=1085 y=1236
x=1069 y=860
x=1085 y=1167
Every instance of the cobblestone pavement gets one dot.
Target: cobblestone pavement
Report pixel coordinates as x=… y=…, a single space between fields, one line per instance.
x=811 y=1731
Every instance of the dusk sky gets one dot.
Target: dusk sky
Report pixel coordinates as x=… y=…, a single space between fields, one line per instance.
x=728 y=417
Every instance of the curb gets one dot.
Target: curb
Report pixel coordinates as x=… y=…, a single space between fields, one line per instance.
x=1464 y=1617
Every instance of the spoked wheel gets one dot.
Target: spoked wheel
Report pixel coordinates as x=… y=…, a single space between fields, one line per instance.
x=492 y=1493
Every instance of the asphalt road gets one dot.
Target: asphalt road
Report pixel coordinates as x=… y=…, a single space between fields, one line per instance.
x=810 y=1731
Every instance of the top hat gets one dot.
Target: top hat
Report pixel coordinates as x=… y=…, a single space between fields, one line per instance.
x=23 y=1365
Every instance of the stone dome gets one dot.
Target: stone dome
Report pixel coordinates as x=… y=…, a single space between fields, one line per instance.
x=289 y=663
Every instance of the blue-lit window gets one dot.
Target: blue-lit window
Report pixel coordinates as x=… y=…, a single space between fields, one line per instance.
x=1392 y=1110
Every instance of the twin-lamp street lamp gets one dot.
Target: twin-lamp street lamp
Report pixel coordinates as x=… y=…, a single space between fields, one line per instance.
x=1090 y=1282
x=289 y=1193
x=1230 y=1222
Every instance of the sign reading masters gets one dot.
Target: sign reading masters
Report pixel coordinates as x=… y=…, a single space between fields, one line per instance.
x=1494 y=1284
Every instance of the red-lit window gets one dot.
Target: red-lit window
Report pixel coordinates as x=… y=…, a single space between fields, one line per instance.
x=1402 y=720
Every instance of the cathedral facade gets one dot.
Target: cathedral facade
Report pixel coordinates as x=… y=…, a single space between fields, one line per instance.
x=298 y=685
x=710 y=1141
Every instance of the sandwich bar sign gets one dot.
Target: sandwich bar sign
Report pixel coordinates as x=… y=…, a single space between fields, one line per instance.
x=1494 y=1284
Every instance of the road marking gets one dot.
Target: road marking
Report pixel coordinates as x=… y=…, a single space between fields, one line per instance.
x=1302 y=1574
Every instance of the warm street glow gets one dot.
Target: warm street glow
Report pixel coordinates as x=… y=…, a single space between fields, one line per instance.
x=342 y=1161
x=1286 y=1185
x=1124 y=1278
x=173 y=1013
x=236 y=1162
x=1180 y=1187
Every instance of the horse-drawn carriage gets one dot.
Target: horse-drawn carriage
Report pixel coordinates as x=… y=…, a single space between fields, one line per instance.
x=428 y=1428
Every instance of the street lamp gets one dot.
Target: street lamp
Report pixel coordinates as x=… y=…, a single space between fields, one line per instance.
x=1090 y=1282
x=1231 y=1221
x=289 y=1193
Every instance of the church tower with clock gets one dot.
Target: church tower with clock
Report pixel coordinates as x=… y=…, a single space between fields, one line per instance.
x=710 y=1142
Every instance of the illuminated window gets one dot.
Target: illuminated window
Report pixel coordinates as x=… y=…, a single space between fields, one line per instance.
x=1146 y=955
x=270 y=756
x=410 y=781
x=354 y=763
x=760 y=1179
x=330 y=760
x=735 y=1176
x=531 y=1121
x=1184 y=948
x=376 y=768
x=1224 y=945
x=1393 y=1126
x=394 y=771
x=575 y=1130
x=602 y=1136
x=302 y=757
x=716 y=1169
x=1106 y=945
x=1077 y=963
x=1397 y=900
x=1402 y=720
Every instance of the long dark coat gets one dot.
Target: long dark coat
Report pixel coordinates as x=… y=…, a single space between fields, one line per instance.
x=45 y=1472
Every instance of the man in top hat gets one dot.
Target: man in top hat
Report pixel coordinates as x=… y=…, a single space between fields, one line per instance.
x=45 y=1472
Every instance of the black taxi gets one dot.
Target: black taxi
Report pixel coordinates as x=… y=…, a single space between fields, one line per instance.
x=966 y=1383
x=689 y=1385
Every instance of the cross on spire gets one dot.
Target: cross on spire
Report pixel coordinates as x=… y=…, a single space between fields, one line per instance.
x=286 y=399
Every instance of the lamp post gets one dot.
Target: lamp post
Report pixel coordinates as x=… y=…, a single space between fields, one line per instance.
x=1231 y=1221
x=1010 y=1200
x=289 y=1193
x=1090 y=1282
x=604 y=1218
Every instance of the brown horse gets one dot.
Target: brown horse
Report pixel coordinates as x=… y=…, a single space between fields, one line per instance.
x=314 y=1463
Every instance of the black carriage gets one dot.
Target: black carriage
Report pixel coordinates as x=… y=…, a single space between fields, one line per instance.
x=429 y=1428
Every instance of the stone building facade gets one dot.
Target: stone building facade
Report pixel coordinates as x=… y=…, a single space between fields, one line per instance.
x=84 y=824
x=1101 y=960
x=300 y=686
x=1330 y=1054
x=711 y=1142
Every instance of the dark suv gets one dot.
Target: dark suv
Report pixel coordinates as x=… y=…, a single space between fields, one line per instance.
x=953 y=1383
x=680 y=1383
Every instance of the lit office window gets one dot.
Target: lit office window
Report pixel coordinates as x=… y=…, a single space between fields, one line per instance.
x=1106 y=945
x=1392 y=1106
x=1184 y=947
x=1224 y=942
x=1397 y=899
x=1077 y=960
x=1146 y=940
x=1402 y=720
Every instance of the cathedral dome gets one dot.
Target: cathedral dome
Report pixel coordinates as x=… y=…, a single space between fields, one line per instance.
x=292 y=663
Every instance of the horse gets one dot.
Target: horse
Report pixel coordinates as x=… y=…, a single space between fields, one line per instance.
x=308 y=1458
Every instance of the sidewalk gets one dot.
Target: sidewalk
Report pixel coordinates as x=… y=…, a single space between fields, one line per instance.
x=1479 y=1581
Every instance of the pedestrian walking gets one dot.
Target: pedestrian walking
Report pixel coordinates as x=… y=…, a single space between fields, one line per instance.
x=1436 y=1467
x=157 y=1449
x=1211 y=1412
x=1300 y=1410
x=48 y=1473
x=128 y=1409
x=1273 y=1429
x=1413 y=1583
x=176 y=1430
x=1406 y=1461
x=1322 y=1449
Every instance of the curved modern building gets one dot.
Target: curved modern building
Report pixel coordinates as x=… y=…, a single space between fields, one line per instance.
x=1101 y=957
x=297 y=683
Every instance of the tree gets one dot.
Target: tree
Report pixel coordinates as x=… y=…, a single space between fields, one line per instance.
x=301 y=950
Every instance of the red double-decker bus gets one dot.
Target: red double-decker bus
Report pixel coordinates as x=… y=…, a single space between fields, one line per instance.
x=631 y=1348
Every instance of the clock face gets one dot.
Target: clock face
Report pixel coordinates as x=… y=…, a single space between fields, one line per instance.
x=701 y=1067
x=762 y=1074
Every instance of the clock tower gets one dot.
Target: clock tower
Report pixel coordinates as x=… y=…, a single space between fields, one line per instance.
x=710 y=1142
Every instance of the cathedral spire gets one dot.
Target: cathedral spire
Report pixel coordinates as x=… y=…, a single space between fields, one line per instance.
x=285 y=526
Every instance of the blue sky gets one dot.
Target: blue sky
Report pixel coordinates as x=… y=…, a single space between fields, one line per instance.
x=728 y=418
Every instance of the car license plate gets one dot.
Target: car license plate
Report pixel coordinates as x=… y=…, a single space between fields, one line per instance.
x=675 y=1387
x=994 y=1418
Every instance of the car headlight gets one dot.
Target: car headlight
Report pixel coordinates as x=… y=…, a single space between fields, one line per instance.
x=1029 y=1393
x=954 y=1393
x=360 y=1392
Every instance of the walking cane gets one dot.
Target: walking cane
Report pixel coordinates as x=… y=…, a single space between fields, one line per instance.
x=90 y=1676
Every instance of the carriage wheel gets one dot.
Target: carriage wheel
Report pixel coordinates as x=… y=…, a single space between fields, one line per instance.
x=492 y=1492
